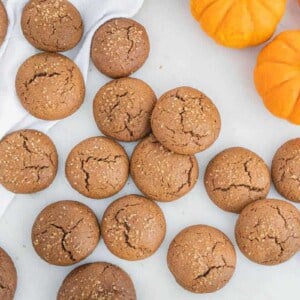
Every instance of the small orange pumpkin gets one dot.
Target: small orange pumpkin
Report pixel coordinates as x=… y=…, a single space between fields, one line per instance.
x=238 y=23
x=277 y=76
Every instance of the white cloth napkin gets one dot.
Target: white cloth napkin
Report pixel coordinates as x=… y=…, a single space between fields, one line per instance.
x=16 y=49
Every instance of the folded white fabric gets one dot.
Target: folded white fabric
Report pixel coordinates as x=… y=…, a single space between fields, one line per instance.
x=16 y=49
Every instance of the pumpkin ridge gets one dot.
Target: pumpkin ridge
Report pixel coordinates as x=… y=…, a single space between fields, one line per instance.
x=249 y=10
x=279 y=85
x=224 y=17
x=207 y=7
x=279 y=62
x=294 y=106
x=268 y=8
x=289 y=45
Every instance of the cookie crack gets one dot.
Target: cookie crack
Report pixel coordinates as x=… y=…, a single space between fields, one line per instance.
x=210 y=269
x=250 y=188
x=40 y=75
x=65 y=234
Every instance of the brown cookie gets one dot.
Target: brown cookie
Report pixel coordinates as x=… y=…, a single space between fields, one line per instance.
x=161 y=174
x=50 y=86
x=98 y=280
x=185 y=121
x=133 y=227
x=268 y=231
x=202 y=259
x=52 y=25
x=65 y=233
x=123 y=107
x=28 y=161
x=3 y=22
x=97 y=167
x=286 y=170
x=120 y=47
x=8 y=276
x=236 y=177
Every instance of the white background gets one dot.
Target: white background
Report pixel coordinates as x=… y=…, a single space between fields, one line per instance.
x=180 y=55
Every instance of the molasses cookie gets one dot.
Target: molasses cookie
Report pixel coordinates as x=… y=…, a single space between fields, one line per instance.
x=268 y=231
x=3 y=22
x=185 y=121
x=8 y=276
x=120 y=47
x=50 y=86
x=65 y=233
x=52 y=25
x=28 y=161
x=123 y=107
x=202 y=259
x=133 y=227
x=286 y=170
x=161 y=174
x=235 y=178
x=97 y=167
x=98 y=280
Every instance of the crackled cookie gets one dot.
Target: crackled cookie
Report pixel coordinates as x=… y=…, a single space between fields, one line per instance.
x=185 y=121
x=52 y=25
x=99 y=280
x=97 y=167
x=3 y=22
x=8 y=276
x=120 y=47
x=161 y=174
x=50 y=86
x=268 y=231
x=286 y=170
x=133 y=227
x=28 y=161
x=123 y=107
x=65 y=233
x=202 y=259
x=235 y=178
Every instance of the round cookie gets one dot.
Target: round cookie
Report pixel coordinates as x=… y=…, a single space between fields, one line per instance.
x=120 y=47
x=185 y=121
x=133 y=227
x=123 y=107
x=50 y=86
x=65 y=233
x=202 y=259
x=236 y=177
x=3 y=23
x=161 y=174
x=8 y=276
x=98 y=280
x=97 y=167
x=286 y=170
x=268 y=231
x=52 y=25
x=28 y=161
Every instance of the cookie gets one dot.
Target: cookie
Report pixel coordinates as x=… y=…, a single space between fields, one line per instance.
x=28 y=161
x=185 y=121
x=236 y=177
x=161 y=174
x=50 y=86
x=3 y=22
x=120 y=47
x=51 y=25
x=97 y=167
x=123 y=107
x=133 y=227
x=65 y=233
x=286 y=170
x=98 y=280
x=202 y=259
x=8 y=276
x=268 y=231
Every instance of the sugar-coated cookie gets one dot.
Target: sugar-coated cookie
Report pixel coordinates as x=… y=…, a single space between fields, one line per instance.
x=3 y=22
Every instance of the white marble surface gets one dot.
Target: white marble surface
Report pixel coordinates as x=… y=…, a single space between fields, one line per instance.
x=180 y=55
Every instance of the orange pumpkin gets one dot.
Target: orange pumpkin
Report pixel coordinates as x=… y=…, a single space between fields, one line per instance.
x=238 y=23
x=277 y=76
